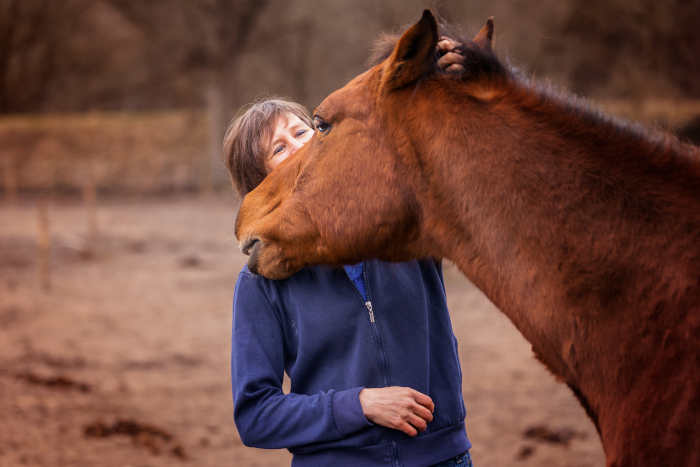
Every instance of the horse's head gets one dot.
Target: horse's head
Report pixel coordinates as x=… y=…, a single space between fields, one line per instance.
x=352 y=191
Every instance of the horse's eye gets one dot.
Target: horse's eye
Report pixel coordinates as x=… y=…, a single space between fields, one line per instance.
x=321 y=125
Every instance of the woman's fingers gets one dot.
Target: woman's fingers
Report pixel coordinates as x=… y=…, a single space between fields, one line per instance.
x=423 y=413
x=451 y=62
x=446 y=44
x=423 y=400
x=407 y=428
x=450 y=58
x=412 y=425
x=417 y=422
x=400 y=408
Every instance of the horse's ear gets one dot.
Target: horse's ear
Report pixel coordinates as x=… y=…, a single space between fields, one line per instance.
x=484 y=37
x=414 y=54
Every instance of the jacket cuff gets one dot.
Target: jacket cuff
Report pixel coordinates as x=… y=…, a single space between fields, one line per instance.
x=347 y=411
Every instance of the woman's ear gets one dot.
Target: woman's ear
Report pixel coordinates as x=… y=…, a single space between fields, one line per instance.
x=414 y=54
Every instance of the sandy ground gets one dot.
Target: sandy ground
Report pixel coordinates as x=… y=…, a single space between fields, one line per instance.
x=125 y=360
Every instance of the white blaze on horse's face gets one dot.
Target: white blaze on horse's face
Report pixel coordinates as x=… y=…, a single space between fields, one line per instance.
x=290 y=133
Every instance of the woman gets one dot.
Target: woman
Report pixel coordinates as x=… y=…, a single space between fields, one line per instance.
x=369 y=348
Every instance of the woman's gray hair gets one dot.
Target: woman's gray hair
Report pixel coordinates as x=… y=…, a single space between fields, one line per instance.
x=248 y=138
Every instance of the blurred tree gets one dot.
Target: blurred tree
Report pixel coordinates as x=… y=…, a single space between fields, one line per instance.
x=216 y=55
x=627 y=48
x=211 y=36
x=75 y=55
x=33 y=36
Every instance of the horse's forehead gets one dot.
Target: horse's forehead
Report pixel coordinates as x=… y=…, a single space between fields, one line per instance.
x=354 y=99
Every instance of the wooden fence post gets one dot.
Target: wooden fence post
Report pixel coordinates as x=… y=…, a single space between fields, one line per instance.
x=215 y=134
x=10 y=179
x=90 y=203
x=44 y=243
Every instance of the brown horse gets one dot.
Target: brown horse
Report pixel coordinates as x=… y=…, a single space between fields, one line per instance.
x=583 y=230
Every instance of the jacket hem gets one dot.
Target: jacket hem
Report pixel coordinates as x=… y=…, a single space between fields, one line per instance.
x=421 y=451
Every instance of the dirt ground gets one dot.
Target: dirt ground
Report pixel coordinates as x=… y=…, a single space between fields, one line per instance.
x=125 y=360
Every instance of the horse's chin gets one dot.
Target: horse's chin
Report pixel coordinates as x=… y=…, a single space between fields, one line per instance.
x=267 y=261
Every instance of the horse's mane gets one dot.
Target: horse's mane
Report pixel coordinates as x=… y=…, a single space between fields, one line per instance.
x=576 y=114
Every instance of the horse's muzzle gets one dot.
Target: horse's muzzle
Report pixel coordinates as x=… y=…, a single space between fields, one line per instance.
x=251 y=247
x=248 y=244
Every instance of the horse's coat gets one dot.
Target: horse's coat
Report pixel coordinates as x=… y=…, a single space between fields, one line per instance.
x=583 y=230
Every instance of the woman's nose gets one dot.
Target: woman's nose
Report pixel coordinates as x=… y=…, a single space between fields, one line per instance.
x=295 y=144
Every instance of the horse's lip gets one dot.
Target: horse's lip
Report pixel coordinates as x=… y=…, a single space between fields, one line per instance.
x=248 y=244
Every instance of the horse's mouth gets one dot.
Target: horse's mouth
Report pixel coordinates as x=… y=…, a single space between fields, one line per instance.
x=248 y=244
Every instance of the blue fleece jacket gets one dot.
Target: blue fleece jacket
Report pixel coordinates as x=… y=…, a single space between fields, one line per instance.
x=333 y=343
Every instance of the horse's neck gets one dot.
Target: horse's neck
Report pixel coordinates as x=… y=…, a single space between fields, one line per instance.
x=539 y=180
x=552 y=210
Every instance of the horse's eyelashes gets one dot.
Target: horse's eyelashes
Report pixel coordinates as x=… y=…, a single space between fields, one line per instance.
x=321 y=125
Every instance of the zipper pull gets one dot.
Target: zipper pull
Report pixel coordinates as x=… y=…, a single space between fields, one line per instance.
x=368 y=304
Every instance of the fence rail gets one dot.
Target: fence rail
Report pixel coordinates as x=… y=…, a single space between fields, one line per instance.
x=118 y=152
x=161 y=152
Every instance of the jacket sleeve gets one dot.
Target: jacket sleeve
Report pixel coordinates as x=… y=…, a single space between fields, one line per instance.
x=266 y=417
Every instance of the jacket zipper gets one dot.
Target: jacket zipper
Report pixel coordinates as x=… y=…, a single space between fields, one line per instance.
x=383 y=360
x=368 y=305
x=370 y=310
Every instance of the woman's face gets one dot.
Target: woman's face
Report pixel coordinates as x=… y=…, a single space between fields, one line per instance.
x=289 y=134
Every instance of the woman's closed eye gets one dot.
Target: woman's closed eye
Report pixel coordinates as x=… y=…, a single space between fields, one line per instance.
x=278 y=149
x=300 y=132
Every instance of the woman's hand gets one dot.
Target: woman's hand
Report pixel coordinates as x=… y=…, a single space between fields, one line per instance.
x=396 y=407
x=450 y=55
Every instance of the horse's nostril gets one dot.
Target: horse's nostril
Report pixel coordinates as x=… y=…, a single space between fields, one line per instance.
x=248 y=245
